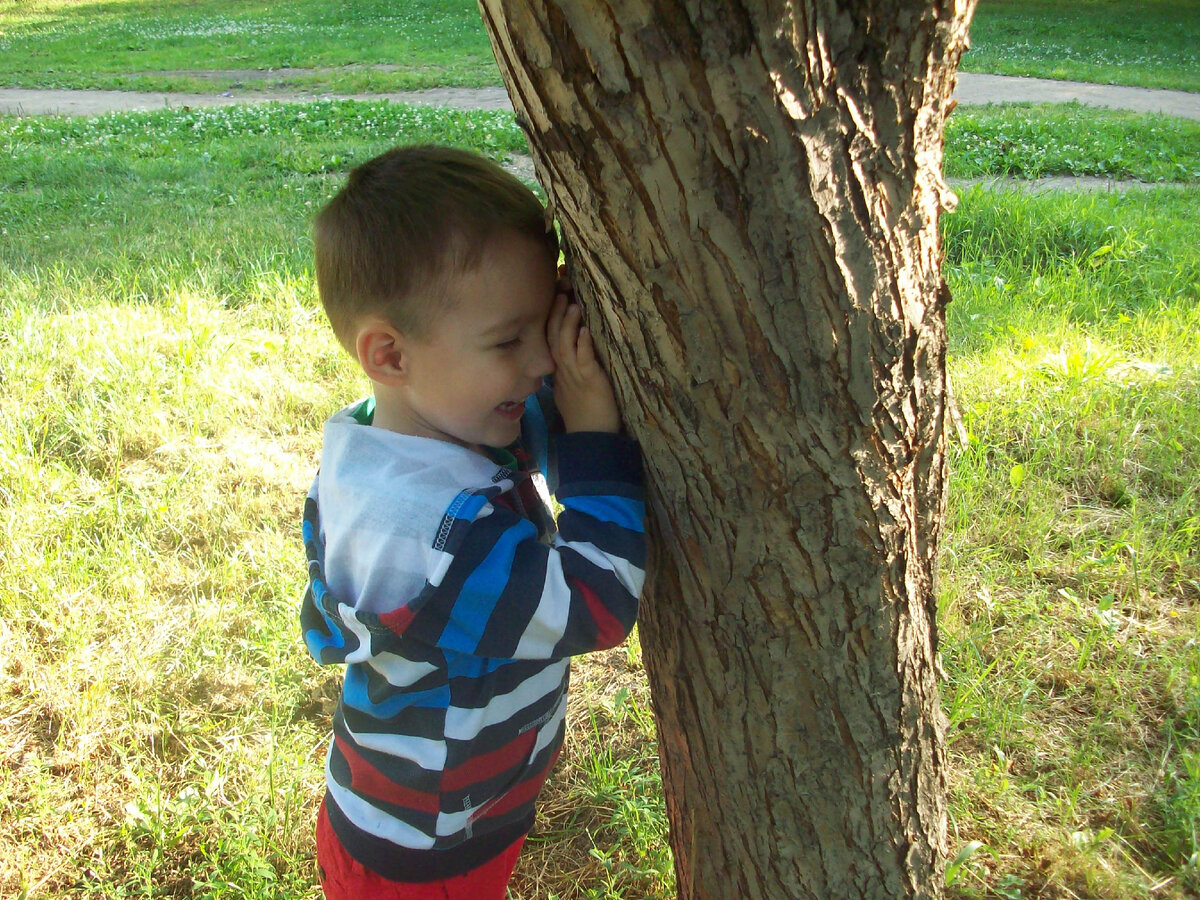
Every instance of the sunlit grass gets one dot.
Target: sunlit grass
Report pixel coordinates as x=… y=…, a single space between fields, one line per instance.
x=1072 y=561
x=165 y=370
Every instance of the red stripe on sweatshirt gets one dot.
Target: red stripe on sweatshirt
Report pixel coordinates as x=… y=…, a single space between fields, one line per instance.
x=609 y=630
x=525 y=792
x=366 y=779
x=481 y=768
x=398 y=619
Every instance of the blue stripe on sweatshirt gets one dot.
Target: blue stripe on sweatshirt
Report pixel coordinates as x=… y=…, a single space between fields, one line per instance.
x=355 y=694
x=333 y=636
x=466 y=505
x=317 y=642
x=462 y=665
x=479 y=593
x=620 y=511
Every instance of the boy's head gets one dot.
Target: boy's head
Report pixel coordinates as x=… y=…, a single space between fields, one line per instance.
x=405 y=224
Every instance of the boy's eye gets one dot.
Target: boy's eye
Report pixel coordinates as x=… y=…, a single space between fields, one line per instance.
x=510 y=344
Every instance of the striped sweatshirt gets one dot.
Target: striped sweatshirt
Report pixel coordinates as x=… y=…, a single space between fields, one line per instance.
x=438 y=578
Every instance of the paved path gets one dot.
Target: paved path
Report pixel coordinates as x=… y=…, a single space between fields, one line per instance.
x=29 y=101
x=1050 y=183
x=33 y=102
x=972 y=89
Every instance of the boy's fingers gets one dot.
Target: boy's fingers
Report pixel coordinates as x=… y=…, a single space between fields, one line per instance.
x=554 y=324
x=585 y=352
x=562 y=284
x=569 y=329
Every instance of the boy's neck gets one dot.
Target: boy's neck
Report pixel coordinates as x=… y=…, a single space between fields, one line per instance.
x=391 y=415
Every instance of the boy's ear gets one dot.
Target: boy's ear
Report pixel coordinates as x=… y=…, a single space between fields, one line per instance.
x=380 y=350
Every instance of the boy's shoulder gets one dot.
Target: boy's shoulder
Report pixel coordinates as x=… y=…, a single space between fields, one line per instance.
x=384 y=506
x=381 y=462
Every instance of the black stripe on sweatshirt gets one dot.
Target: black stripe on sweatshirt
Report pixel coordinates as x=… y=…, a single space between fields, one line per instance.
x=594 y=457
x=610 y=538
x=427 y=722
x=519 y=601
x=401 y=864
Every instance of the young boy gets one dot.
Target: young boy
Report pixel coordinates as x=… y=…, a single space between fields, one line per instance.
x=436 y=575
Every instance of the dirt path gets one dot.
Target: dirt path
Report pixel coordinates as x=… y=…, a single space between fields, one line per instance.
x=972 y=89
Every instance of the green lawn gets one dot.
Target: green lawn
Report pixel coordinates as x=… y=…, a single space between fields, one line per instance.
x=1034 y=140
x=1071 y=566
x=164 y=370
x=376 y=46
x=1147 y=43
x=155 y=46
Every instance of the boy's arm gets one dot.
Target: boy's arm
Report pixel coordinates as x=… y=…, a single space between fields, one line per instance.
x=506 y=594
x=494 y=589
x=592 y=577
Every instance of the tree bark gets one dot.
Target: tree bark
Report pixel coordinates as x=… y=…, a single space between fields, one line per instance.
x=749 y=193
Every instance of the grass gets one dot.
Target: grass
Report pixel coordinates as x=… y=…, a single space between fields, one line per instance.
x=1072 y=561
x=1146 y=43
x=324 y=46
x=78 y=189
x=319 y=45
x=1036 y=140
x=164 y=372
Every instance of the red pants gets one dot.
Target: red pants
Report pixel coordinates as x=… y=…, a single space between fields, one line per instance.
x=342 y=878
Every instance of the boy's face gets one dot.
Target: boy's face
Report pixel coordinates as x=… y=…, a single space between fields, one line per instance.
x=468 y=376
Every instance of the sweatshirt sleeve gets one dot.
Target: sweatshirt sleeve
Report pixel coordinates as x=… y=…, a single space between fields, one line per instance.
x=506 y=594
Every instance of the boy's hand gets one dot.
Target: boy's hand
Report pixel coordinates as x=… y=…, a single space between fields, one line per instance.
x=582 y=391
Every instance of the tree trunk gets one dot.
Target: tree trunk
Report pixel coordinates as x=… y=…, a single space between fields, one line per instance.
x=750 y=193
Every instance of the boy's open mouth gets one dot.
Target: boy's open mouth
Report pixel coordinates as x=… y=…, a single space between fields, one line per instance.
x=511 y=410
